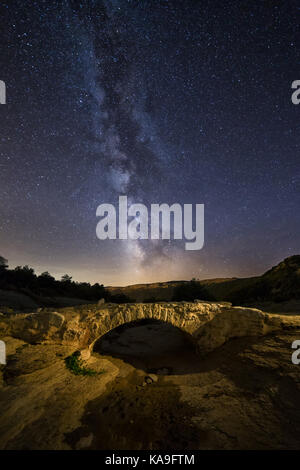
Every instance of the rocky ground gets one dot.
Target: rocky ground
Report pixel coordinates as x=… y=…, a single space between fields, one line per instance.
x=157 y=395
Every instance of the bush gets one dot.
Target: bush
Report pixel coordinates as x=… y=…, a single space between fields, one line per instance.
x=74 y=364
x=120 y=299
x=189 y=291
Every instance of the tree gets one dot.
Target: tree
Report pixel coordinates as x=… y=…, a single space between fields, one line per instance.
x=23 y=277
x=46 y=275
x=45 y=280
x=190 y=291
x=66 y=278
x=26 y=269
x=3 y=269
x=3 y=263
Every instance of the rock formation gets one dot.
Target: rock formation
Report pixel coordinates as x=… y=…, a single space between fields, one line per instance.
x=209 y=324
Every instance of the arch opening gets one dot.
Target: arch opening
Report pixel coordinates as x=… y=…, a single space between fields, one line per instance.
x=152 y=345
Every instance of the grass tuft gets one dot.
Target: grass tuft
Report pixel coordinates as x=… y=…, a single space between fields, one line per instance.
x=74 y=364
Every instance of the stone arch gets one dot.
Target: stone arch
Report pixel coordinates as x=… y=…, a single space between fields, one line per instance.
x=135 y=315
x=176 y=337
x=210 y=324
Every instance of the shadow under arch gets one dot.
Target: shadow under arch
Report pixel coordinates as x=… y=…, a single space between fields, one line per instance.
x=155 y=346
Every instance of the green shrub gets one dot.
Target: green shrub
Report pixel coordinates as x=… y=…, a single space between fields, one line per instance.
x=74 y=364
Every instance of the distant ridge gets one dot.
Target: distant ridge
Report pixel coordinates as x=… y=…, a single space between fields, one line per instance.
x=281 y=283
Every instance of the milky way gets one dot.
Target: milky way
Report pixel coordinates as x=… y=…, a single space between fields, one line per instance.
x=164 y=102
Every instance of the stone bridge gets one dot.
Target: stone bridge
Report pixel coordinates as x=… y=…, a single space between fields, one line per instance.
x=209 y=324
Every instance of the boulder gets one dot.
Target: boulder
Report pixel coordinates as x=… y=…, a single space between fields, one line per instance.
x=85 y=354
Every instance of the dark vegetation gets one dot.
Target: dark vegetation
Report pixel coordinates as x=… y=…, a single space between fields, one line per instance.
x=119 y=298
x=75 y=365
x=23 y=279
x=190 y=291
x=279 y=284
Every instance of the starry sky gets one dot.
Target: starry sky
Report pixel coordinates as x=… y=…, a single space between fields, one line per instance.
x=166 y=101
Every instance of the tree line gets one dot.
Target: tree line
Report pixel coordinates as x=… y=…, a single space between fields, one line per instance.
x=24 y=278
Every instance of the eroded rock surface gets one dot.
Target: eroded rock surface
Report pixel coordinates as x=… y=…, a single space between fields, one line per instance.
x=243 y=393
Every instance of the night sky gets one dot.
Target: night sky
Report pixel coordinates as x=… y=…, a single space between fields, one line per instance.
x=164 y=101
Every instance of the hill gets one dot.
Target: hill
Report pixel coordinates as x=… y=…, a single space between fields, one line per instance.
x=278 y=285
x=277 y=290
